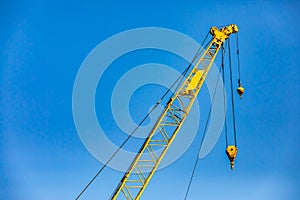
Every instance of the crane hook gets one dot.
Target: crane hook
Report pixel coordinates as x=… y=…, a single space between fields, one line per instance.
x=231 y=152
x=240 y=90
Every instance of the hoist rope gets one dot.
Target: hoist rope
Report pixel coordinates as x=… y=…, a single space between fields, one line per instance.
x=238 y=57
x=132 y=133
x=199 y=51
x=224 y=96
x=232 y=96
x=202 y=139
x=120 y=147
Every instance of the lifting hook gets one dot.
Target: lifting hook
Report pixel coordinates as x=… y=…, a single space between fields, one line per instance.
x=231 y=152
x=240 y=90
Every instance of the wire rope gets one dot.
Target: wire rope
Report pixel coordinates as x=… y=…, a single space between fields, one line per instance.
x=224 y=96
x=199 y=51
x=202 y=139
x=232 y=96
x=238 y=58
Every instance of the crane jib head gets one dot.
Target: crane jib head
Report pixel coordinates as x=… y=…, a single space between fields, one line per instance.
x=220 y=35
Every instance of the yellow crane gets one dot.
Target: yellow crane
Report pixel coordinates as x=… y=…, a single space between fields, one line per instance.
x=160 y=138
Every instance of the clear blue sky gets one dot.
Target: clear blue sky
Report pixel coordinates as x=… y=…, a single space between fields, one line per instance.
x=43 y=44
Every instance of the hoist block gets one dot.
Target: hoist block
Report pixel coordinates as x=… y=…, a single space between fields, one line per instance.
x=231 y=152
x=240 y=91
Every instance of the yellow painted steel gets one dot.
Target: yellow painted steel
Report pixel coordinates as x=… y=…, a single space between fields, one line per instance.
x=220 y=35
x=168 y=124
x=195 y=80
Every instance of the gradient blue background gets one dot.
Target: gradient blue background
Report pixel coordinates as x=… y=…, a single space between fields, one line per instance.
x=42 y=46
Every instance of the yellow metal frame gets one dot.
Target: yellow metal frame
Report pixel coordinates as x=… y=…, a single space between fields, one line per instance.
x=167 y=126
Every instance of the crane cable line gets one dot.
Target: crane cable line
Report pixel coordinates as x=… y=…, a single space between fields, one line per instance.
x=238 y=57
x=209 y=114
x=202 y=139
x=131 y=134
x=231 y=87
x=224 y=96
x=180 y=78
x=232 y=96
x=179 y=83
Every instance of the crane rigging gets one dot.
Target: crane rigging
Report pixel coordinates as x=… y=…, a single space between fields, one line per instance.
x=167 y=126
x=161 y=136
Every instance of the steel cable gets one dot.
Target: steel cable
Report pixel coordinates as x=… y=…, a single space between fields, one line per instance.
x=202 y=139
x=199 y=51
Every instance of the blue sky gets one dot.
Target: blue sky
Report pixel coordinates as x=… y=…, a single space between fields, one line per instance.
x=43 y=44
